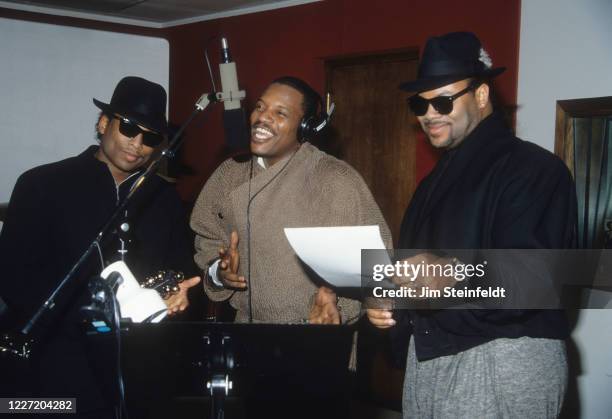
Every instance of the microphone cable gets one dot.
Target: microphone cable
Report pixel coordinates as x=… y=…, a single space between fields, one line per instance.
x=212 y=78
x=210 y=72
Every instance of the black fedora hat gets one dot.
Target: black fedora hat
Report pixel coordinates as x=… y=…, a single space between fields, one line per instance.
x=449 y=58
x=139 y=100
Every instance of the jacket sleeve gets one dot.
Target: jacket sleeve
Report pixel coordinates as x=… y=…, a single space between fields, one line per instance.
x=23 y=240
x=211 y=229
x=180 y=249
x=536 y=210
x=350 y=200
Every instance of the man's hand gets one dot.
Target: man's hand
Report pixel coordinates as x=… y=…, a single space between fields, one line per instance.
x=324 y=309
x=179 y=301
x=380 y=318
x=228 y=266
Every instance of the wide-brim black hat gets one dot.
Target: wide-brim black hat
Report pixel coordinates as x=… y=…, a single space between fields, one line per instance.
x=450 y=58
x=140 y=101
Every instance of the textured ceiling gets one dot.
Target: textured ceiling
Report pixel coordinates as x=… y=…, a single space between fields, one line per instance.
x=150 y=13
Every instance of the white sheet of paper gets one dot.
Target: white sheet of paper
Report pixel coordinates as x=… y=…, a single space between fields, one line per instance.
x=334 y=253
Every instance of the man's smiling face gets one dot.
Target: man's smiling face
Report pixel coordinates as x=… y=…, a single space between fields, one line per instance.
x=275 y=121
x=448 y=131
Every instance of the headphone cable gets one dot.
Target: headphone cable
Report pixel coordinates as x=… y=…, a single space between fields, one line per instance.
x=248 y=226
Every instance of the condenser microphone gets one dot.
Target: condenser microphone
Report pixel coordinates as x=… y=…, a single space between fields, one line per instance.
x=229 y=79
x=225 y=55
x=234 y=119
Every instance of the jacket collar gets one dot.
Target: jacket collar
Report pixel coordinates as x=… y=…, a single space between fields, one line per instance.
x=478 y=148
x=88 y=159
x=262 y=176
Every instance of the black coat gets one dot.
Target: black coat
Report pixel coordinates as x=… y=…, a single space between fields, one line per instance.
x=494 y=191
x=57 y=209
x=54 y=213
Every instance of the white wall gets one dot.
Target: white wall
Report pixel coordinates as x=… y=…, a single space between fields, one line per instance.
x=48 y=77
x=566 y=53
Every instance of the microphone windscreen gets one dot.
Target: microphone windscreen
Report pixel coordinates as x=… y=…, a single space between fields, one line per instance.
x=235 y=126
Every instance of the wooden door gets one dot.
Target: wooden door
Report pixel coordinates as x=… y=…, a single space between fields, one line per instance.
x=372 y=129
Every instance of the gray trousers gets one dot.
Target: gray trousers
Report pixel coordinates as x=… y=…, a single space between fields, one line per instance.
x=506 y=378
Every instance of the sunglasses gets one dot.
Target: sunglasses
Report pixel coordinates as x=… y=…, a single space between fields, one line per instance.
x=442 y=104
x=131 y=129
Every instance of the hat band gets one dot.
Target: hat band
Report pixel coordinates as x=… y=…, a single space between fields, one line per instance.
x=445 y=68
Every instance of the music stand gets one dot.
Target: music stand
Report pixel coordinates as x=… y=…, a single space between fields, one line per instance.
x=268 y=363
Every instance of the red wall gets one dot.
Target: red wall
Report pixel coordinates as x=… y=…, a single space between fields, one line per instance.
x=294 y=40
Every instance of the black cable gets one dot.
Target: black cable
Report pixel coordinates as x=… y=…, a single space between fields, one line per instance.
x=248 y=226
x=210 y=73
x=107 y=288
x=121 y=387
x=154 y=316
x=102 y=264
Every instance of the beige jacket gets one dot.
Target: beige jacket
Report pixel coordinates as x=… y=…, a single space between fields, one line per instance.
x=307 y=189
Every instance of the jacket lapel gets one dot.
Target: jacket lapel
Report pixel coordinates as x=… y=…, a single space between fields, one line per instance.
x=477 y=149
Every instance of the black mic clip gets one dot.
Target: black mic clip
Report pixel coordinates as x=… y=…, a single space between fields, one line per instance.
x=205 y=100
x=98 y=316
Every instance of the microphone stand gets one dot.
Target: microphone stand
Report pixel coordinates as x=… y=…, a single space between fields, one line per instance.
x=20 y=345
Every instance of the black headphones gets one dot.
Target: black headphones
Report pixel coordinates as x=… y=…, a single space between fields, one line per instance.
x=312 y=124
x=316 y=119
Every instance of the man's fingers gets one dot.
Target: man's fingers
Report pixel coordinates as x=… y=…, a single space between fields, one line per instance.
x=234 y=281
x=325 y=296
x=229 y=266
x=380 y=318
x=378 y=313
x=177 y=309
x=234 y=240
x=188 y=283
x=327 y=315
x=382 y=324
x=177 y=302
x=234 y=261
x=323 y=288
x=335 y=317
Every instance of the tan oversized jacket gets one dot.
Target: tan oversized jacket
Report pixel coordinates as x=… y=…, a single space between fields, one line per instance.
x=307 y=189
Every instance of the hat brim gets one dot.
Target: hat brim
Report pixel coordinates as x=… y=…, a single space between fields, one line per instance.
x=140 y=119
x=430 y=83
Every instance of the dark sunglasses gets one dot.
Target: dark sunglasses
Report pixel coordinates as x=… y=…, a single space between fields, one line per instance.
x=131 y=129
x=442 y=104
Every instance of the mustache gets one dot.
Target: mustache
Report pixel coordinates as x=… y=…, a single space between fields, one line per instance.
x=134 y=152
x=434 y=121
x=262 y=125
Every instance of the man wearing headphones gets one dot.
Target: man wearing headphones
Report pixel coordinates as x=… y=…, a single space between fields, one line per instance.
x=241 y=213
